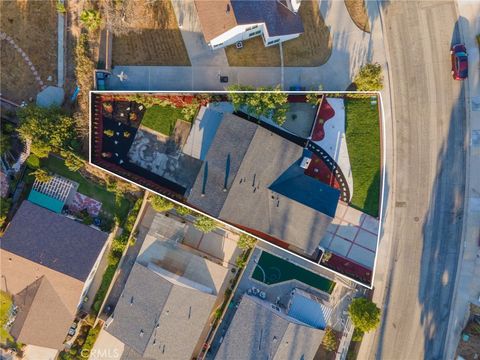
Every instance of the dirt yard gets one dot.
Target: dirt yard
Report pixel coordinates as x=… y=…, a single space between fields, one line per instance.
x=358 y=13
x=312 y=48
x=158 y=41
x=253 y=53
x=32 y=28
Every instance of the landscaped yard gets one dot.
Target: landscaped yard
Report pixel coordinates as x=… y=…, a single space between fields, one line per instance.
x=312 y=48
x=363 y=141
x=32 y=25
x=158 y=40
x=5 y=304
x=162 y=118
x=110 y=205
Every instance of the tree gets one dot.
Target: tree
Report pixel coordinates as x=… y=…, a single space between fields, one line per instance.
x=269 y=102
x=205 y=224
x=41 y=175
x=161 y=204
x=369 y=78
x=91 y=19
x=329 y=341
x=365 y=314
x=246 y=242
x=48 y=129
x=313 y=99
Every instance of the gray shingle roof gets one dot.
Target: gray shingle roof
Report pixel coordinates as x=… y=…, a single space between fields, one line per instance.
x=278 y=19
x=53 y=240
x=229 y=146
x=267 y=158
x=258 y=332
x=215 y=19
x=158 y=319
x=42 y=317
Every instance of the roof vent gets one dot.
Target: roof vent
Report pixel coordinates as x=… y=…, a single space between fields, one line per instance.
x=305 y=162
x=141 y=333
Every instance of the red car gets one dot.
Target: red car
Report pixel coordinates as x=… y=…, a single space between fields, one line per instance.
x=459 y=62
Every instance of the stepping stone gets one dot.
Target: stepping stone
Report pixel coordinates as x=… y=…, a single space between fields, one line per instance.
x=3 y=36
x=29 y=63
x=24 y=55
x=35 y=73
x=37 y=78
x=32 y=68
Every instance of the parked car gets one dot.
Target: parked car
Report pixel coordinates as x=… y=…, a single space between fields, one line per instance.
x=73 y=329
x=459 y=62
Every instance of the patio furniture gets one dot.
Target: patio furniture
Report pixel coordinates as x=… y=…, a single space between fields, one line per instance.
x=262 y=295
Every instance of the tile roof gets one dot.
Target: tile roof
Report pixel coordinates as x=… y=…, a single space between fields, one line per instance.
x=217 y=17
x=259 y=332
x=53 y=240
x=158 y=319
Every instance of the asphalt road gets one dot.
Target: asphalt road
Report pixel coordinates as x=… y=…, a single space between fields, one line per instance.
x=429 y=123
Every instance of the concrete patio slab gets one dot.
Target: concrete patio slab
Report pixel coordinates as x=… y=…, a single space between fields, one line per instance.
x=362 y=256
x=347 y=230
x=366 y=239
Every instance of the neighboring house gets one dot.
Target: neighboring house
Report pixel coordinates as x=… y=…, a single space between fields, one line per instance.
x=261 y=330
x=249 y=167
x=226 y=22
x=48 y=262
x=160 y=315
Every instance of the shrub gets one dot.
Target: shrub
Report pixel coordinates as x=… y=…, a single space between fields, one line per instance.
x=246 y=242
x=161 y=204
x=108 y=132
x=91 y=19
x=240 y=262
x=329 y=342
x=204 y=224
x=5 y=205
x=326 y=256
x=60 y=7
x=364 y=313
x=369 y=78
x=73 y=162
x=33 y=162
x=41 y=175
x=357 y=335
x=182 y=210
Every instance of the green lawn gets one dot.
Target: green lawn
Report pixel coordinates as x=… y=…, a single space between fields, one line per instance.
x=162 y=118
x=110 y=204
x=363 y=141
x=5 y=304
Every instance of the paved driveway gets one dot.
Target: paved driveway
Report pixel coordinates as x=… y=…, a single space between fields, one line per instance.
x=198 y=51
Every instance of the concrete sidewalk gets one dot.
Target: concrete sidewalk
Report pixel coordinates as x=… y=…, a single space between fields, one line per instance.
x=467 y=284
x=351 y=48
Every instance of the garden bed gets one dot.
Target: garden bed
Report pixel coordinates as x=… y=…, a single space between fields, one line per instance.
x=363 y=141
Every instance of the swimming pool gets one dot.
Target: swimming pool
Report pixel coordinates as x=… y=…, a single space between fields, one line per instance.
x=273 y=270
